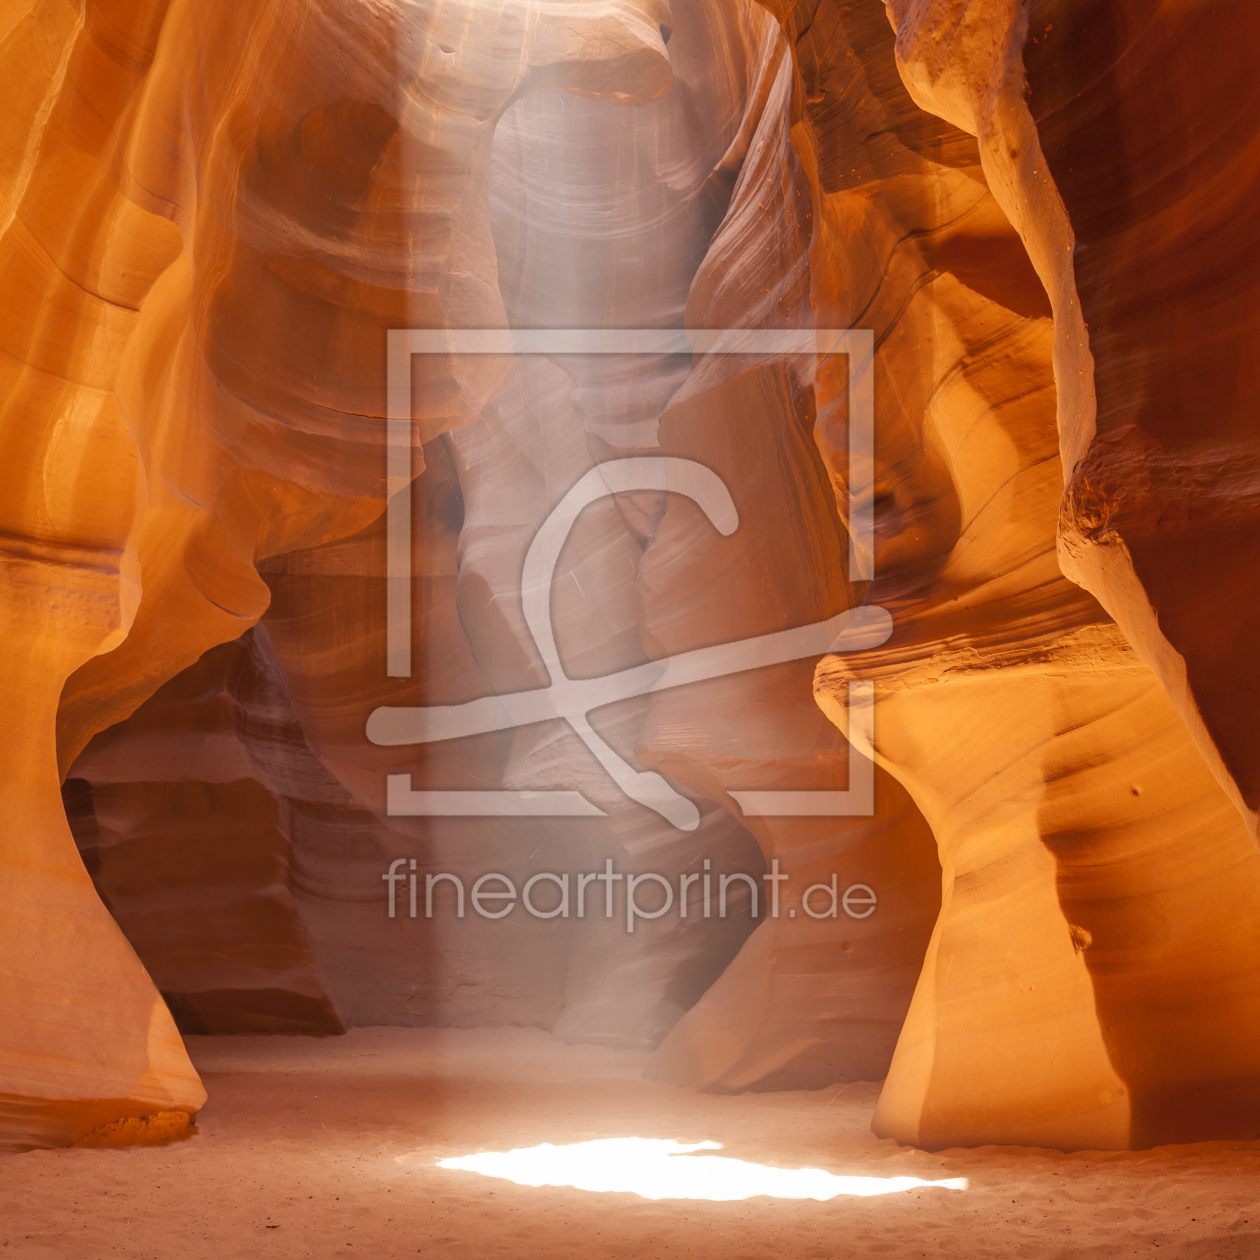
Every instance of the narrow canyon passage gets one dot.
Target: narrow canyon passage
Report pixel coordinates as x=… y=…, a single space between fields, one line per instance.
x=602 y=216
x=628 y=627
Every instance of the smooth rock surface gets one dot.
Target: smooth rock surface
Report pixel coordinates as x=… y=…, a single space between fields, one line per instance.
x=1025 y=726
x=211 y=216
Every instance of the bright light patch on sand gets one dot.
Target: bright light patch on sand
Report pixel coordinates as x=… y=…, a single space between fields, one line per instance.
x=659 y=1168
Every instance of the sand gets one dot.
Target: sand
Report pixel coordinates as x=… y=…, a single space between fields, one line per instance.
x=329 y=1148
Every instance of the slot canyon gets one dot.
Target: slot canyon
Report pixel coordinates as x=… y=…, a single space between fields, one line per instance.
x=626 y=628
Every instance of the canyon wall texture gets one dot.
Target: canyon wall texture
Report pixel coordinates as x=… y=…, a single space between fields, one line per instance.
x=807 y=1001
x=211 y=218
x=1082 y=988
x=1040 y=208
x=582 y=192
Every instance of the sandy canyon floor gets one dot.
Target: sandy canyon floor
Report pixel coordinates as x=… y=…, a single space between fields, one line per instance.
x=330 y=1148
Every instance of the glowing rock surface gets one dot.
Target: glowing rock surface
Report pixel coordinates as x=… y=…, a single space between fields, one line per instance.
x=210 y=217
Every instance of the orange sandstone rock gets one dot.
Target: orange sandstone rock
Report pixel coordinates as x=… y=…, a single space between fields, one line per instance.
x=1019 y=718
x=488 y=492
x=211 y=217
x=807 y=1001
x=194 y=859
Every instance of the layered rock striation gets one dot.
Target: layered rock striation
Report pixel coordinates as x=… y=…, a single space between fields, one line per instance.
x=1063 y=785
x=211 y=218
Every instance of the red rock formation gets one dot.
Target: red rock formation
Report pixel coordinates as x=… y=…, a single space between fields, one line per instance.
x=1023 y=724
x=562 y=167
x=326 y=624
x=808 y=1001
x=194 y=860
x=1120 y=141
x=1161 y=516
x=211 y=218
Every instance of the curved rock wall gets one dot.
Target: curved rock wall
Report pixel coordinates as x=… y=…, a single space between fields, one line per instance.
x=210 y=218
x=1162 y=513
x=808 y=1001
x=485 y=493
x=1066 y=788
x=194 y=860
x=581 y=192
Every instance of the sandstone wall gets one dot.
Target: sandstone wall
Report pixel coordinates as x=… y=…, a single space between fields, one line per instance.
x=1064 y=788
x=564 y=168
x=210 y=217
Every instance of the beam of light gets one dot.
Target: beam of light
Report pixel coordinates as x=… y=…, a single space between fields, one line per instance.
x=660 y=1168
